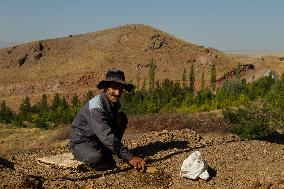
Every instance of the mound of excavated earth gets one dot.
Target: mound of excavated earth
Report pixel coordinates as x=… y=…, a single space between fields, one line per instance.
x=233 y=163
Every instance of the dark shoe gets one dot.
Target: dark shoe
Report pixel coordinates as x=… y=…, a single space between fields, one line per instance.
x=117 y=159
x=103 y=167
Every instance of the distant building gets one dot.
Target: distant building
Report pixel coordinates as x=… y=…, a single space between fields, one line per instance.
x=271 y=73
x=260 y=59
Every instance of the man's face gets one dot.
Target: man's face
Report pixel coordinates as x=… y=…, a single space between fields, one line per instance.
x=114 y=92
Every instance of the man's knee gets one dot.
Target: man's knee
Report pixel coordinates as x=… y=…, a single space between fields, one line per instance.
x=86 y=155
x=93 y=158
x=96 y=159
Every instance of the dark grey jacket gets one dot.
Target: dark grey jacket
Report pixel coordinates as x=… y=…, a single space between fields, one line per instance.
x=96 y=123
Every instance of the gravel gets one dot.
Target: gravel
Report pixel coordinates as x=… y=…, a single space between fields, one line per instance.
x=233 y=163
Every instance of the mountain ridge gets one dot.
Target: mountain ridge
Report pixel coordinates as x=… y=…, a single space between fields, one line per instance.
x=75 y=63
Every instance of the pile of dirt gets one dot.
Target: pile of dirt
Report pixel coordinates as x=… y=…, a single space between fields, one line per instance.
x=199 y=122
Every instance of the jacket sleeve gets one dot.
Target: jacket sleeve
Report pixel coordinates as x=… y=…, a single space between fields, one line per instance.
x=99 y=123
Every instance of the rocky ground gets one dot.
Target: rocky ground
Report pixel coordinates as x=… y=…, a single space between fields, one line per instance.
x=233 y=163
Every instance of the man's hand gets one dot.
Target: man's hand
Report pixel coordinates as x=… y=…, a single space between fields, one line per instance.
x=138 y=163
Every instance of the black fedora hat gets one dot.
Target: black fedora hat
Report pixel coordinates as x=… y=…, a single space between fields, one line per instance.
x=115 y=76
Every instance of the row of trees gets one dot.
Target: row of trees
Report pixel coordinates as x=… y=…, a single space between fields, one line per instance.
x=255 y=110
x=42 y=114
x=171 y=96
x=184 y=84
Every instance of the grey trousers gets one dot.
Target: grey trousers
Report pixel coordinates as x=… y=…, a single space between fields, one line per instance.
x=89 y=153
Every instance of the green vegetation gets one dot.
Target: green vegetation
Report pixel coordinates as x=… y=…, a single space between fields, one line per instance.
x=253 y=121
x=213 y=77
x=254 y=110
x=238 y=72
x=183 y=78
x=202 y=81
x=138 y=78
x=191 y=79
x=41 y=114
x=281 y=58
x=6 y=114
x=152 y=68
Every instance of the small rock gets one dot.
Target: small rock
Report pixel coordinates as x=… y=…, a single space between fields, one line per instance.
x=151 y=169
x=255 y=185
x=62 y=161
x=266 y=185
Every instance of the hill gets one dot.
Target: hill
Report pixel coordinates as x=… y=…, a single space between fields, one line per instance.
x=75 y=63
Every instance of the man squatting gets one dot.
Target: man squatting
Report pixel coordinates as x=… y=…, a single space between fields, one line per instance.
x=98 y=128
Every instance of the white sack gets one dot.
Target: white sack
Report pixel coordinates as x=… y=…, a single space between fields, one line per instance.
x=194 y=167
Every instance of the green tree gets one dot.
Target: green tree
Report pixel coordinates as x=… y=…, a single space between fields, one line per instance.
x=188 y=100
x=251 y=121
x=6 y=113
x=75 y=106
x=183 y=78
x=202 y=81
x=238 y=72
x=40 y=121
x=56 y=102
x=274 y=100
x=64 y=104
x=231 y=88
x=43 y=104
x=213 y=77
x=25 y=107
x=260 y=87
x=144 y=84
x=203 y=96
x=67 y=116
x=75 y=100
x=152 y=68
x=24 y=113
x=191 y=79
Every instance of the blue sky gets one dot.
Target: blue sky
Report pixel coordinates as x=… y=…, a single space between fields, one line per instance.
x=228 y=25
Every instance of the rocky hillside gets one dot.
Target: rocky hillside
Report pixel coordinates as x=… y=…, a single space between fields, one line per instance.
x=75 y=63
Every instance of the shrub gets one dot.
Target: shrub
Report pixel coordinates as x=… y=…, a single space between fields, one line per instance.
x=213 y=77
x=231 y=89
x=252 y=121
x=25 y=107
x=260 y=87
x=202 y=96
x=188 y=100
x=6 y=114
x=188 y=109
x=191 y=78
x=152 y=68
x=40 y=122
x=275 y=102
x=56 y=102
